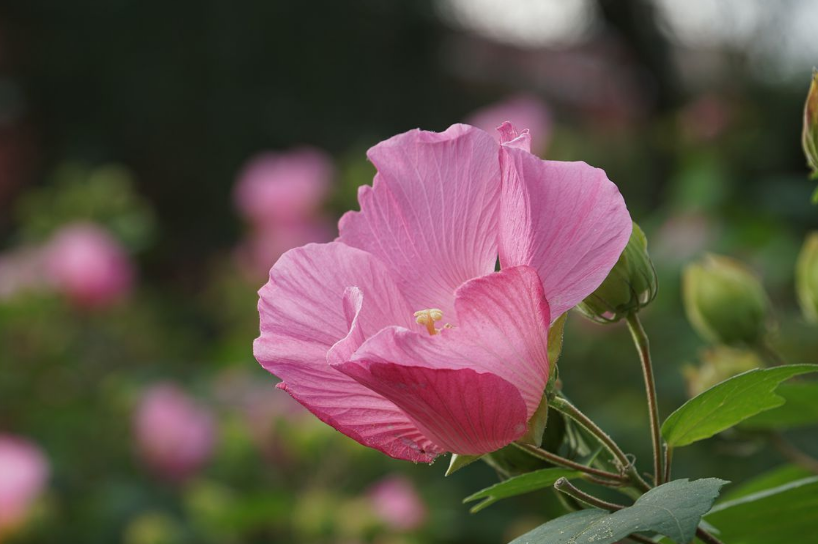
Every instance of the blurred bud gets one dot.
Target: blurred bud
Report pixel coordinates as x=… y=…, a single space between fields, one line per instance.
x=88 y=265
x=630 y=286
x=806 y=278
x=718 y=364
x=174 y=435
x=276 y=188
x=153 y=528
x=522 y=111
x=724 y=301
x=23 y=474
x=810 y=134
x=397 y=503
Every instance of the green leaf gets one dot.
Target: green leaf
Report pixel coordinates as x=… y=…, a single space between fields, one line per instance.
x=519 y=485
x=459 y=461
x=783 y=514
x=774 y=478
x=673 y=509
x=728 y=403
x=800 y=409
x=536 y=424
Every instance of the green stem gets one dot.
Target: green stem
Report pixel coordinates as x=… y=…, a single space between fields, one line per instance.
x=562 y=405
x=564 y=486
x=640 y=338
x=706 y=537
x=616 y=480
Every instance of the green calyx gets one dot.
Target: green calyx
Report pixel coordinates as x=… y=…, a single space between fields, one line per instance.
x=809 y=137
x=630 y=286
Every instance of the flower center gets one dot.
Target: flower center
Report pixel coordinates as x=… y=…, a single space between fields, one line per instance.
x=428 y=318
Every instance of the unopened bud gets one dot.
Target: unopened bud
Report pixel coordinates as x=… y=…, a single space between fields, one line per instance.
x=630 y=286
x=718 y=364
x=724 y=301
x=810 y=134
x=806 y=278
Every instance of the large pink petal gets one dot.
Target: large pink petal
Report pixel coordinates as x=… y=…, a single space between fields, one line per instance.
x=314 y=300
x=431 y=214
x=471 y=389
x=565 y=219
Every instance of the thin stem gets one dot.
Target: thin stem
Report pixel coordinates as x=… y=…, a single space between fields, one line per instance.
x=791 y=452
x=564 y=486
x=668 y=461
x=616 y=479
x=706 y=537
x=562 y=405
x=640 y=338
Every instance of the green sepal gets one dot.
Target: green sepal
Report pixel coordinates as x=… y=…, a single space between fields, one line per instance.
x=459 y=461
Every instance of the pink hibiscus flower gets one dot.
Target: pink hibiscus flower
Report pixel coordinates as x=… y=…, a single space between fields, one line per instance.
x=174 y=434
x=88 y=265
x=23 y=475
x=400 y=334
x=397 y=503
x=276 y=188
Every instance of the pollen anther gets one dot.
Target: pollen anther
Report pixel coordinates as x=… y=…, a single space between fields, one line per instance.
x=428 y=318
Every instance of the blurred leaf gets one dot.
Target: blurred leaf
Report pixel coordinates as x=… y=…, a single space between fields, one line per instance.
x=774 y=478
x=519 y=485
x=728 y=403
x=800 y=409
x=782 y=514
x=673 y=509
x=106 y=195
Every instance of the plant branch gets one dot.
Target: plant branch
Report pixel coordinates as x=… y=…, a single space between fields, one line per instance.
x=706 y=537
x=564 y=486
x=616 y=480
x=640 y=338
x=562 y=405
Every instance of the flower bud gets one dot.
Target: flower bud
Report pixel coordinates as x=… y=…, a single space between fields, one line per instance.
x=724 y=301
x=630 y=286
x=810 y=134
x=806 y=278
x=718 y=364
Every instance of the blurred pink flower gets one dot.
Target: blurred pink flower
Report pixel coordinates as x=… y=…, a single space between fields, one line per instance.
x=262 y=247
x=349 y=326
x=86 y=263
x=522 y=111
x=397 y=503
x=174 y=434
x=23 y=475
x=289 y=187
x=21 y=270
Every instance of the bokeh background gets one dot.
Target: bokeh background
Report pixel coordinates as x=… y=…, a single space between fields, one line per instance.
x=157 y=157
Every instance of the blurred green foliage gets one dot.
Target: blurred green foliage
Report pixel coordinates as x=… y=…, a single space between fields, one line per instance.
x=143 y=112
